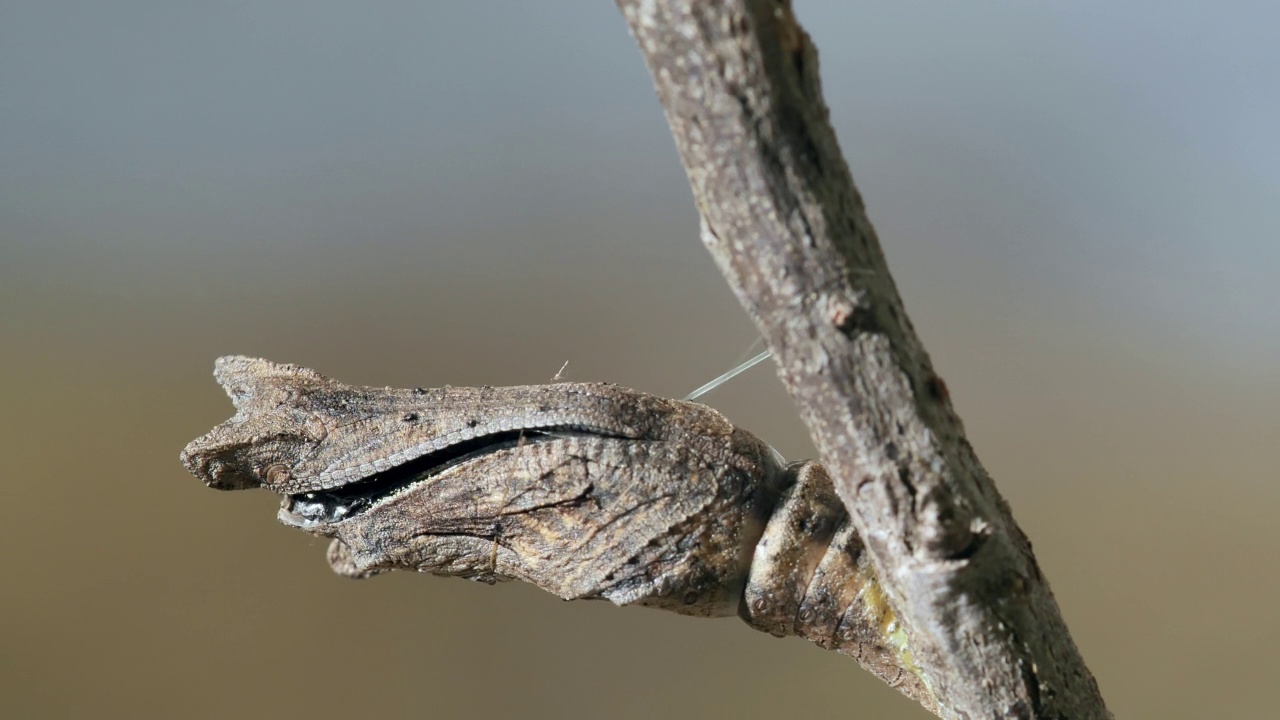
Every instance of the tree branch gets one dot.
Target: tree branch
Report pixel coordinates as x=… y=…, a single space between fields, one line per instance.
x=738 y=80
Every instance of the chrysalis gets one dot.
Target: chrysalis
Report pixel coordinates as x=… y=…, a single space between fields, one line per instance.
x=590 y=491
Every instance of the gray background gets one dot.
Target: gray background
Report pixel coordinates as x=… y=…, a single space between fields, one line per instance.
x=1079 y=202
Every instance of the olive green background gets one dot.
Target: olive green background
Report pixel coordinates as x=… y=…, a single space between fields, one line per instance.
x=1080 y=205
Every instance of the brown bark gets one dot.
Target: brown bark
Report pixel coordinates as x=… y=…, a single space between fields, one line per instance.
x=738 y=80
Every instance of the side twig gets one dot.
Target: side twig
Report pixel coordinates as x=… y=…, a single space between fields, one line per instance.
x=738 y=80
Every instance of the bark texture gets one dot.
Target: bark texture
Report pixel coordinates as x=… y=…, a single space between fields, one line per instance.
x=738 y=80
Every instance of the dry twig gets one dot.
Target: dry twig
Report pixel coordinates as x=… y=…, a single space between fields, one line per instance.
x=738 y=80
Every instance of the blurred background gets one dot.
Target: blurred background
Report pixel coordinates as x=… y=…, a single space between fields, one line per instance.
x=1080 y=203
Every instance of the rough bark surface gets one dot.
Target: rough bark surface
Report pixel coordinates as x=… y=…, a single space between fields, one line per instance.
x=738 y=80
